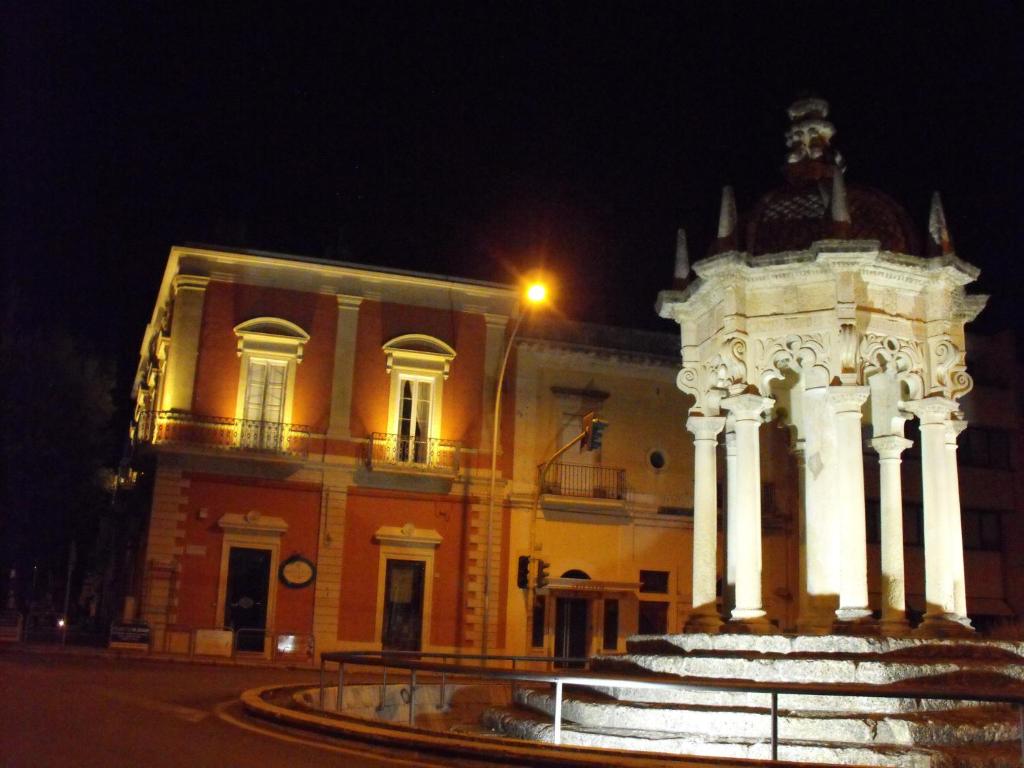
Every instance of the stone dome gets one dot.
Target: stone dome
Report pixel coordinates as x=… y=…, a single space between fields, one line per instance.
x=797 y=214
x=815 y=202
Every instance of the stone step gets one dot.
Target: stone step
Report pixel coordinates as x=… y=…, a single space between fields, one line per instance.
x=527 y=725
x=977 y=725
x=810 y=669
x=799 y=702
x=817 y=644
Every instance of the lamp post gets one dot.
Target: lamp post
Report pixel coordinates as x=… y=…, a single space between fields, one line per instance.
x=535 y=294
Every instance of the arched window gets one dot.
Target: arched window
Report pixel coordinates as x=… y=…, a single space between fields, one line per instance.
x=418 y=365
x=270 y=349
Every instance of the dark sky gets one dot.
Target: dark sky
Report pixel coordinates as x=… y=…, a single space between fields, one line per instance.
x=476 y=140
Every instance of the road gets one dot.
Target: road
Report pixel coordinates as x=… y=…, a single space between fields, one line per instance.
x=63 y=709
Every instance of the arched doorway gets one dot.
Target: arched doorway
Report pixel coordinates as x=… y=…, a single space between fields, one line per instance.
x=572 y=620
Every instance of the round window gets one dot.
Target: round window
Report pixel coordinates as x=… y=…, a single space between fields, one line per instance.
x=657 y=459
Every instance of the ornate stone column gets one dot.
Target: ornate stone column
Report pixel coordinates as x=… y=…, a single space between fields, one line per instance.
x=955 y=540
x=820 y=544
x=846 y=403
x=731 y=524
x=894 y=597
x=940 y=613
x=705 y=429
x=749 y=611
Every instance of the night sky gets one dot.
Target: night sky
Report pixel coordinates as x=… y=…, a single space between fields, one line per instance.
x=476 y=141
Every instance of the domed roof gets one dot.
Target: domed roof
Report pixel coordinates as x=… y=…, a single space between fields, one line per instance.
x=815 y=203
x=792 y=217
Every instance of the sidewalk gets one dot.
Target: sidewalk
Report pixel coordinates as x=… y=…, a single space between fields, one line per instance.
x=176 y=658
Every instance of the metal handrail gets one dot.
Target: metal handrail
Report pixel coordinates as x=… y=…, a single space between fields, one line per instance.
x=657 y=682
x=587 y=481
x=413 y=453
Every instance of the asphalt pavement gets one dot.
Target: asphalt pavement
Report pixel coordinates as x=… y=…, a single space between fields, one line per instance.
x=67 y=709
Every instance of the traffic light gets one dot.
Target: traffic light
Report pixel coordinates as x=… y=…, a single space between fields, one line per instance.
x=542 y=574
x=523 y=573
x=593 y=432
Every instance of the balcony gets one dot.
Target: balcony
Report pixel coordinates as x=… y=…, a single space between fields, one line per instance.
x=173 y=428
x=583 y=487
x=397 y=453
x=585 y=481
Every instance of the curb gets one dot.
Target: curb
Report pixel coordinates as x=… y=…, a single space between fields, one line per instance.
x=118 y=654
x=494 y=749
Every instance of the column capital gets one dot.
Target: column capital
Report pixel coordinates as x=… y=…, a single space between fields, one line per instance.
x=189 y=282
x=348 y=302
x=953 y=429
x=705 y=427
x=848 y=398
x=747 y=407
x=890 y=446
x=931 y=410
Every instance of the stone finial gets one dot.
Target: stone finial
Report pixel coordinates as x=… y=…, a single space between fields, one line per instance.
x=809 y=154
x=939 y=240
x=838 y=207
x=727 y=221
x=809 y=132
x=682 y=272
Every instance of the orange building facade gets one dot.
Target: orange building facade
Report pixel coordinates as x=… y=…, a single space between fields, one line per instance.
x=315 y=440
x=313 y=435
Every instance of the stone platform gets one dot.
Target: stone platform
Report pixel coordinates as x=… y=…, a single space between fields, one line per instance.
x=844 y=729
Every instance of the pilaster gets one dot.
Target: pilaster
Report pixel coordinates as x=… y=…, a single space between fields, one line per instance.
x=344 y=366
x=183 y=350
x=327 y=597
x=164 y=547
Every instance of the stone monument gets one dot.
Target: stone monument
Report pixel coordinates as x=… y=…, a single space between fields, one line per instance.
x=821 y=312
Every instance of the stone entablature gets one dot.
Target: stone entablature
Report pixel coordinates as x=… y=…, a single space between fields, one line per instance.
x=840 y=312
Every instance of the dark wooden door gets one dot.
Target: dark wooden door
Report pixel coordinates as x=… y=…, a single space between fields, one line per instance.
x=403 y=605
x=245 y=606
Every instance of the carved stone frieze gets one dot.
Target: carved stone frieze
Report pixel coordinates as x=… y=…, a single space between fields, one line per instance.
x=805 y=354
x=903 y=358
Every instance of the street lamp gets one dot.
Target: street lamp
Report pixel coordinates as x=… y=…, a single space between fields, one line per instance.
x=535 y=294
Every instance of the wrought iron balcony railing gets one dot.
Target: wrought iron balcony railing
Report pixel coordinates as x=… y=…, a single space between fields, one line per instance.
x=176 y=428
x=413 y=453
x=584 y=481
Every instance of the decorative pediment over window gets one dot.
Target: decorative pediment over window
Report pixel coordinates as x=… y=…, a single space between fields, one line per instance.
x=271 y=336
x=418 y=352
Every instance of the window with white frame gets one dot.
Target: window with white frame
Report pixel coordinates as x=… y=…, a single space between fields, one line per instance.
x=418 y=365
x=265 y=387
x=414 y=416
x=270 y=349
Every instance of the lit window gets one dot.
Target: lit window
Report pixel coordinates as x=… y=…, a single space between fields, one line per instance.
x=270 y=349
x=266 y=382
x=414 y=412
x=418 y=366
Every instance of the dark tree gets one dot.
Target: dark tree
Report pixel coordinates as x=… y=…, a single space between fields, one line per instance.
x=55 y=414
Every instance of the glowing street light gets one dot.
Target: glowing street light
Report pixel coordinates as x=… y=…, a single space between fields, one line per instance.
x=534 y=295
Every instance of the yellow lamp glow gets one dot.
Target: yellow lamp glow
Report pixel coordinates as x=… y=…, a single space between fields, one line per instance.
x=536 y=293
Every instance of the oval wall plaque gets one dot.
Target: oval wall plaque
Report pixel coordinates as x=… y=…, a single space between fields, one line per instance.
x=297 y=572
